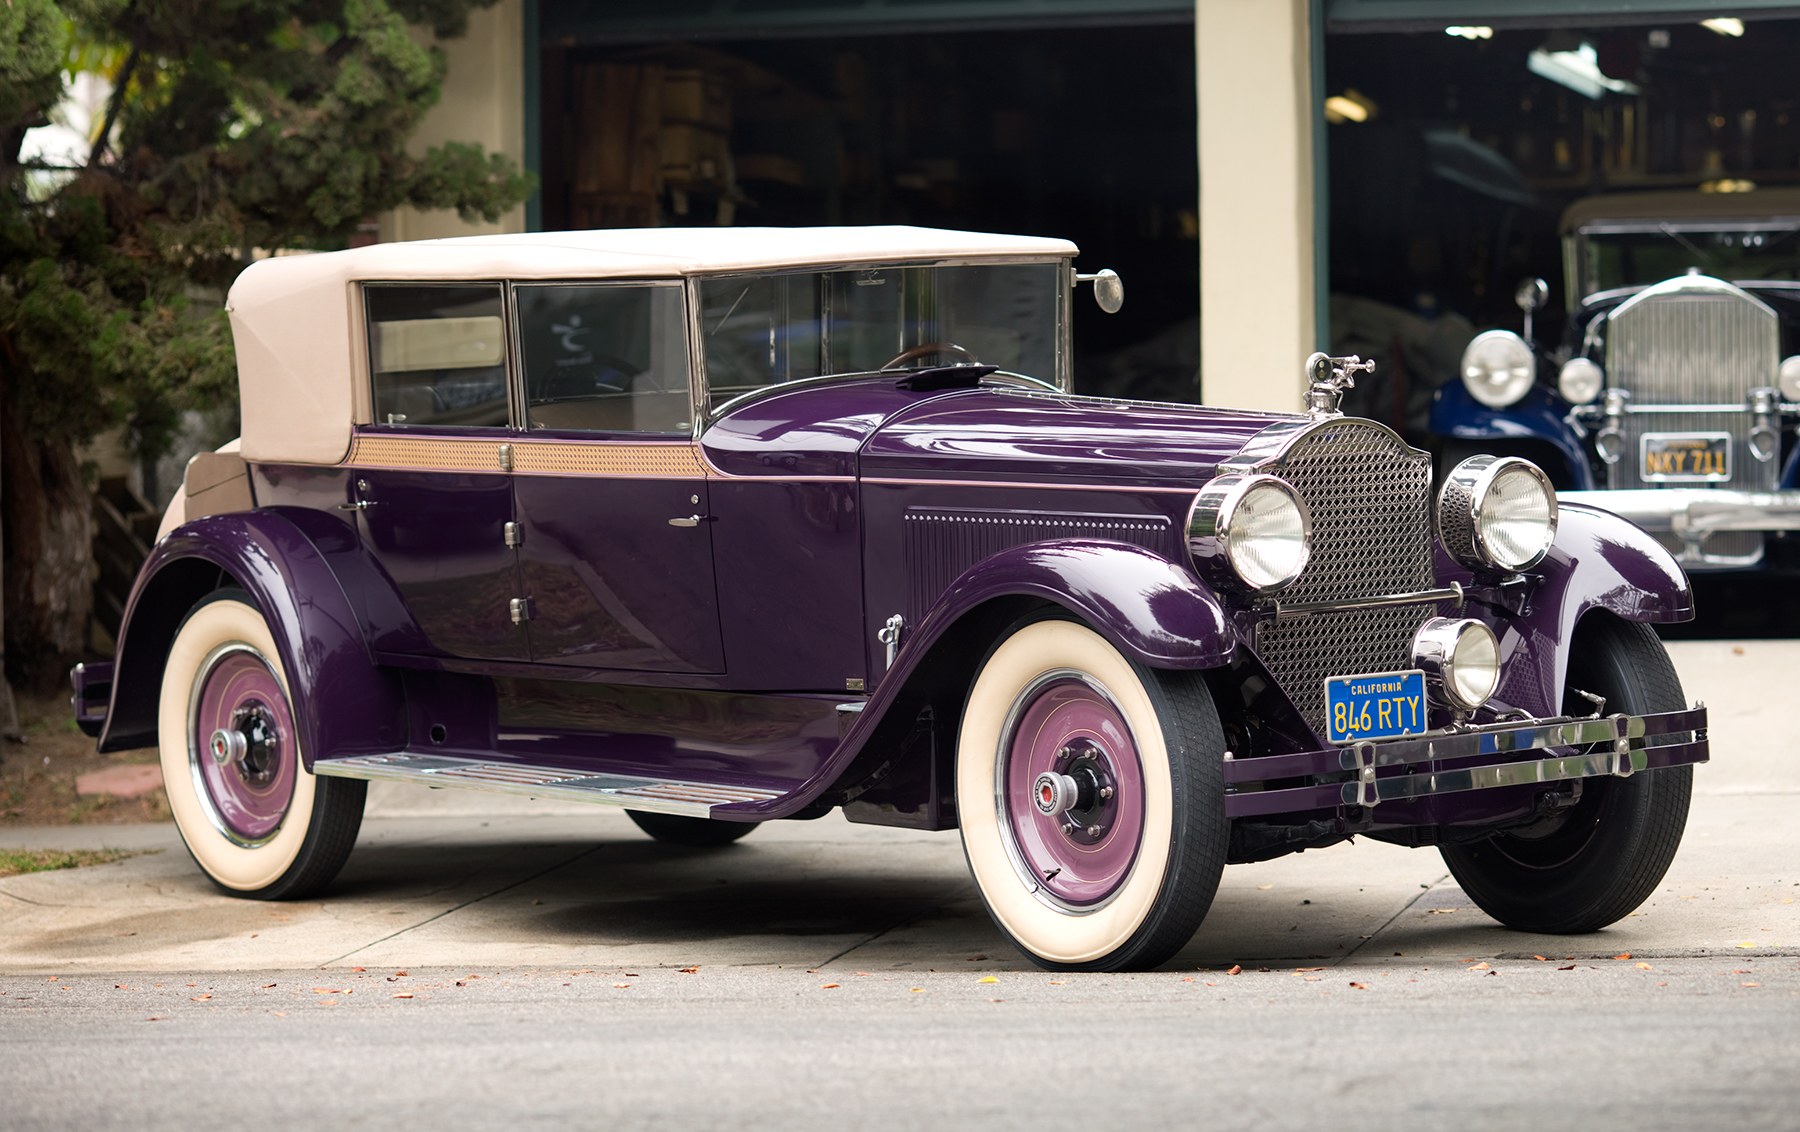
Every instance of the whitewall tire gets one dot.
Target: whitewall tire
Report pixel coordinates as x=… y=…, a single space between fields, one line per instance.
x=1090 y=794
x=253 y=816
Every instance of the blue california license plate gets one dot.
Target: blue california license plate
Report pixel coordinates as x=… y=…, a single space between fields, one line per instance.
x=1379 y=705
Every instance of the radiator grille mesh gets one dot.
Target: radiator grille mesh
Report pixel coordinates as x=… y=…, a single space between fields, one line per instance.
x=1370 y=498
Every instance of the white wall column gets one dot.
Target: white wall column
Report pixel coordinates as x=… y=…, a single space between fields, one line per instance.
x=483 y=102
x=1257 y=274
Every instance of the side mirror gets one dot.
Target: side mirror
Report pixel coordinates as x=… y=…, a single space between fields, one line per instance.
x=1531 y=295
x=1109 y=289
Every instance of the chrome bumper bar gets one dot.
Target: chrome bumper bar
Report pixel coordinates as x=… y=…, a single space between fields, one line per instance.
x=1474 y=758
x=1697 y=511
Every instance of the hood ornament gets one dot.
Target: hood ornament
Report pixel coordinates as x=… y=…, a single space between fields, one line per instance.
x=1328 y=379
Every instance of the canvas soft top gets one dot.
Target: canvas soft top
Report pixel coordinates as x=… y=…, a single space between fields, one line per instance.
x=298 y=335
x=1681 y=206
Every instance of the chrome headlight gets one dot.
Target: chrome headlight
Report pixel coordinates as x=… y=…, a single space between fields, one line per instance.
x=1498 y=368
x=1789 y=378
x=1580 y=381
x=1497 y=512
x=1254 y=525
x=1460 y=659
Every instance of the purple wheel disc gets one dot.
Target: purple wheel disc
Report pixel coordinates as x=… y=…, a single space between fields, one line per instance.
x=248 y=794
x=1081 y=856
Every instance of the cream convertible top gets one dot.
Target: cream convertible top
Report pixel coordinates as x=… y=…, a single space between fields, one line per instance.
x=299 y=339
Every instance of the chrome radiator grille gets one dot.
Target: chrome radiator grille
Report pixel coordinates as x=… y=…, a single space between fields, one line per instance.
x=1692 y=340
x=1370 y=498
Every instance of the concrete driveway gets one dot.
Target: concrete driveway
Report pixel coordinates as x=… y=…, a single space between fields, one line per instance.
x=442 y=879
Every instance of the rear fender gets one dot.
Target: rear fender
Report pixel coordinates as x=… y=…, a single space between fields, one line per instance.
x=300 y=568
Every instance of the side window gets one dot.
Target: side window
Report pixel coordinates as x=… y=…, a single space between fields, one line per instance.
x=437 y=354
x=604 y=357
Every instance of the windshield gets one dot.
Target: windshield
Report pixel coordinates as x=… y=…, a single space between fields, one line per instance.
x=767 y=329
x=1616 y=256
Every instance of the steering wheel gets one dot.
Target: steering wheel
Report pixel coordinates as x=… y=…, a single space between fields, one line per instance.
x=926 y=349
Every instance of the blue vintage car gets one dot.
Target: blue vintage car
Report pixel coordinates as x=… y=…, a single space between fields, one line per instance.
x=1673 y=396
x=730 y=526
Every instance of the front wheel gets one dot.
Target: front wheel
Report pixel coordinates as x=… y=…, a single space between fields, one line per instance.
x=253 y=816
x=1596 y=861
x=1090 y=792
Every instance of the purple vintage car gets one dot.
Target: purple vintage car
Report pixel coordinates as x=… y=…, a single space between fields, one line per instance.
x=724 y=526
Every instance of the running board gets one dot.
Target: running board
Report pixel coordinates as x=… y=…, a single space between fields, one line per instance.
x=656 y=795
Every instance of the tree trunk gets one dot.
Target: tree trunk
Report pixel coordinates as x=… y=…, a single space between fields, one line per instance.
x=9 y=711
x=48 y=566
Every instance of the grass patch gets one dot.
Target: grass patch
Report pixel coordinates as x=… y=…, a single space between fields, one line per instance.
x=16 y=861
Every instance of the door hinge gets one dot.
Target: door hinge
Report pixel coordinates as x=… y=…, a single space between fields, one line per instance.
x=510 y=534
x=522 y=610
x=506 y=460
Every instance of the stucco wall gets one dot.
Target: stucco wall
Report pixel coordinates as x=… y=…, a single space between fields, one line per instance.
x=483 y=101
x=1257 y=274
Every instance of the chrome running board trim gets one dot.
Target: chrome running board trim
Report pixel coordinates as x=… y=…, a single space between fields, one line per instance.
x=655 y=795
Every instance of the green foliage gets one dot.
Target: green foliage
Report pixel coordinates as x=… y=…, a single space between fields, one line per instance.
x=237 y=125
x=16 y=861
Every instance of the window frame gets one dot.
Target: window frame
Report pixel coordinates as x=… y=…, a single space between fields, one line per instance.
x=509 y=368
x=516 y=350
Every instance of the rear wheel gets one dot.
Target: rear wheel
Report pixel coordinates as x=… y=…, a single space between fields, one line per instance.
x=1091 y=798
x=695 y=833
x=253 y=816
x=1593 y=863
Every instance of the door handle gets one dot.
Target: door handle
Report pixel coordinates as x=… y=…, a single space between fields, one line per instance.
x=691 y=521
x=358 y=505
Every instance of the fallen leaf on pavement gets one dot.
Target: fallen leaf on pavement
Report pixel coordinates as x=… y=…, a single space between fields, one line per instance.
x=1623 y=955
x=1360 y=986
x=1644 y=967
x=987 y=979
x=835 y=986
x=404 y=994
x=1235 y=970
x=198 y=997
x=1479 y=967
x=690 y=970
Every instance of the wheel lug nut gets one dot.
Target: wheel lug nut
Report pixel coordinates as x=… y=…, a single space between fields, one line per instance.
x=1093 y=831
x=1106 y=793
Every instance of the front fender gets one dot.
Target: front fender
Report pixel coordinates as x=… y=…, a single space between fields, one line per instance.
x=1598 y=562
x=297 y=566
x=1537 y=416
x=1149 y=608
x=1152 y=610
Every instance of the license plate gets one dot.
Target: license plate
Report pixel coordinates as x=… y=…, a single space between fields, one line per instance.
x=1379 y=705
x=1684 y=457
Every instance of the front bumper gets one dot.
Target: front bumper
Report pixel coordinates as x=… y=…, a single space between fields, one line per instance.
x=1695 y=512
x=1534 y=752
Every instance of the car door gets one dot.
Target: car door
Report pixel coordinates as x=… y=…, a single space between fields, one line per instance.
x=615 y=531
x=430 y=484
